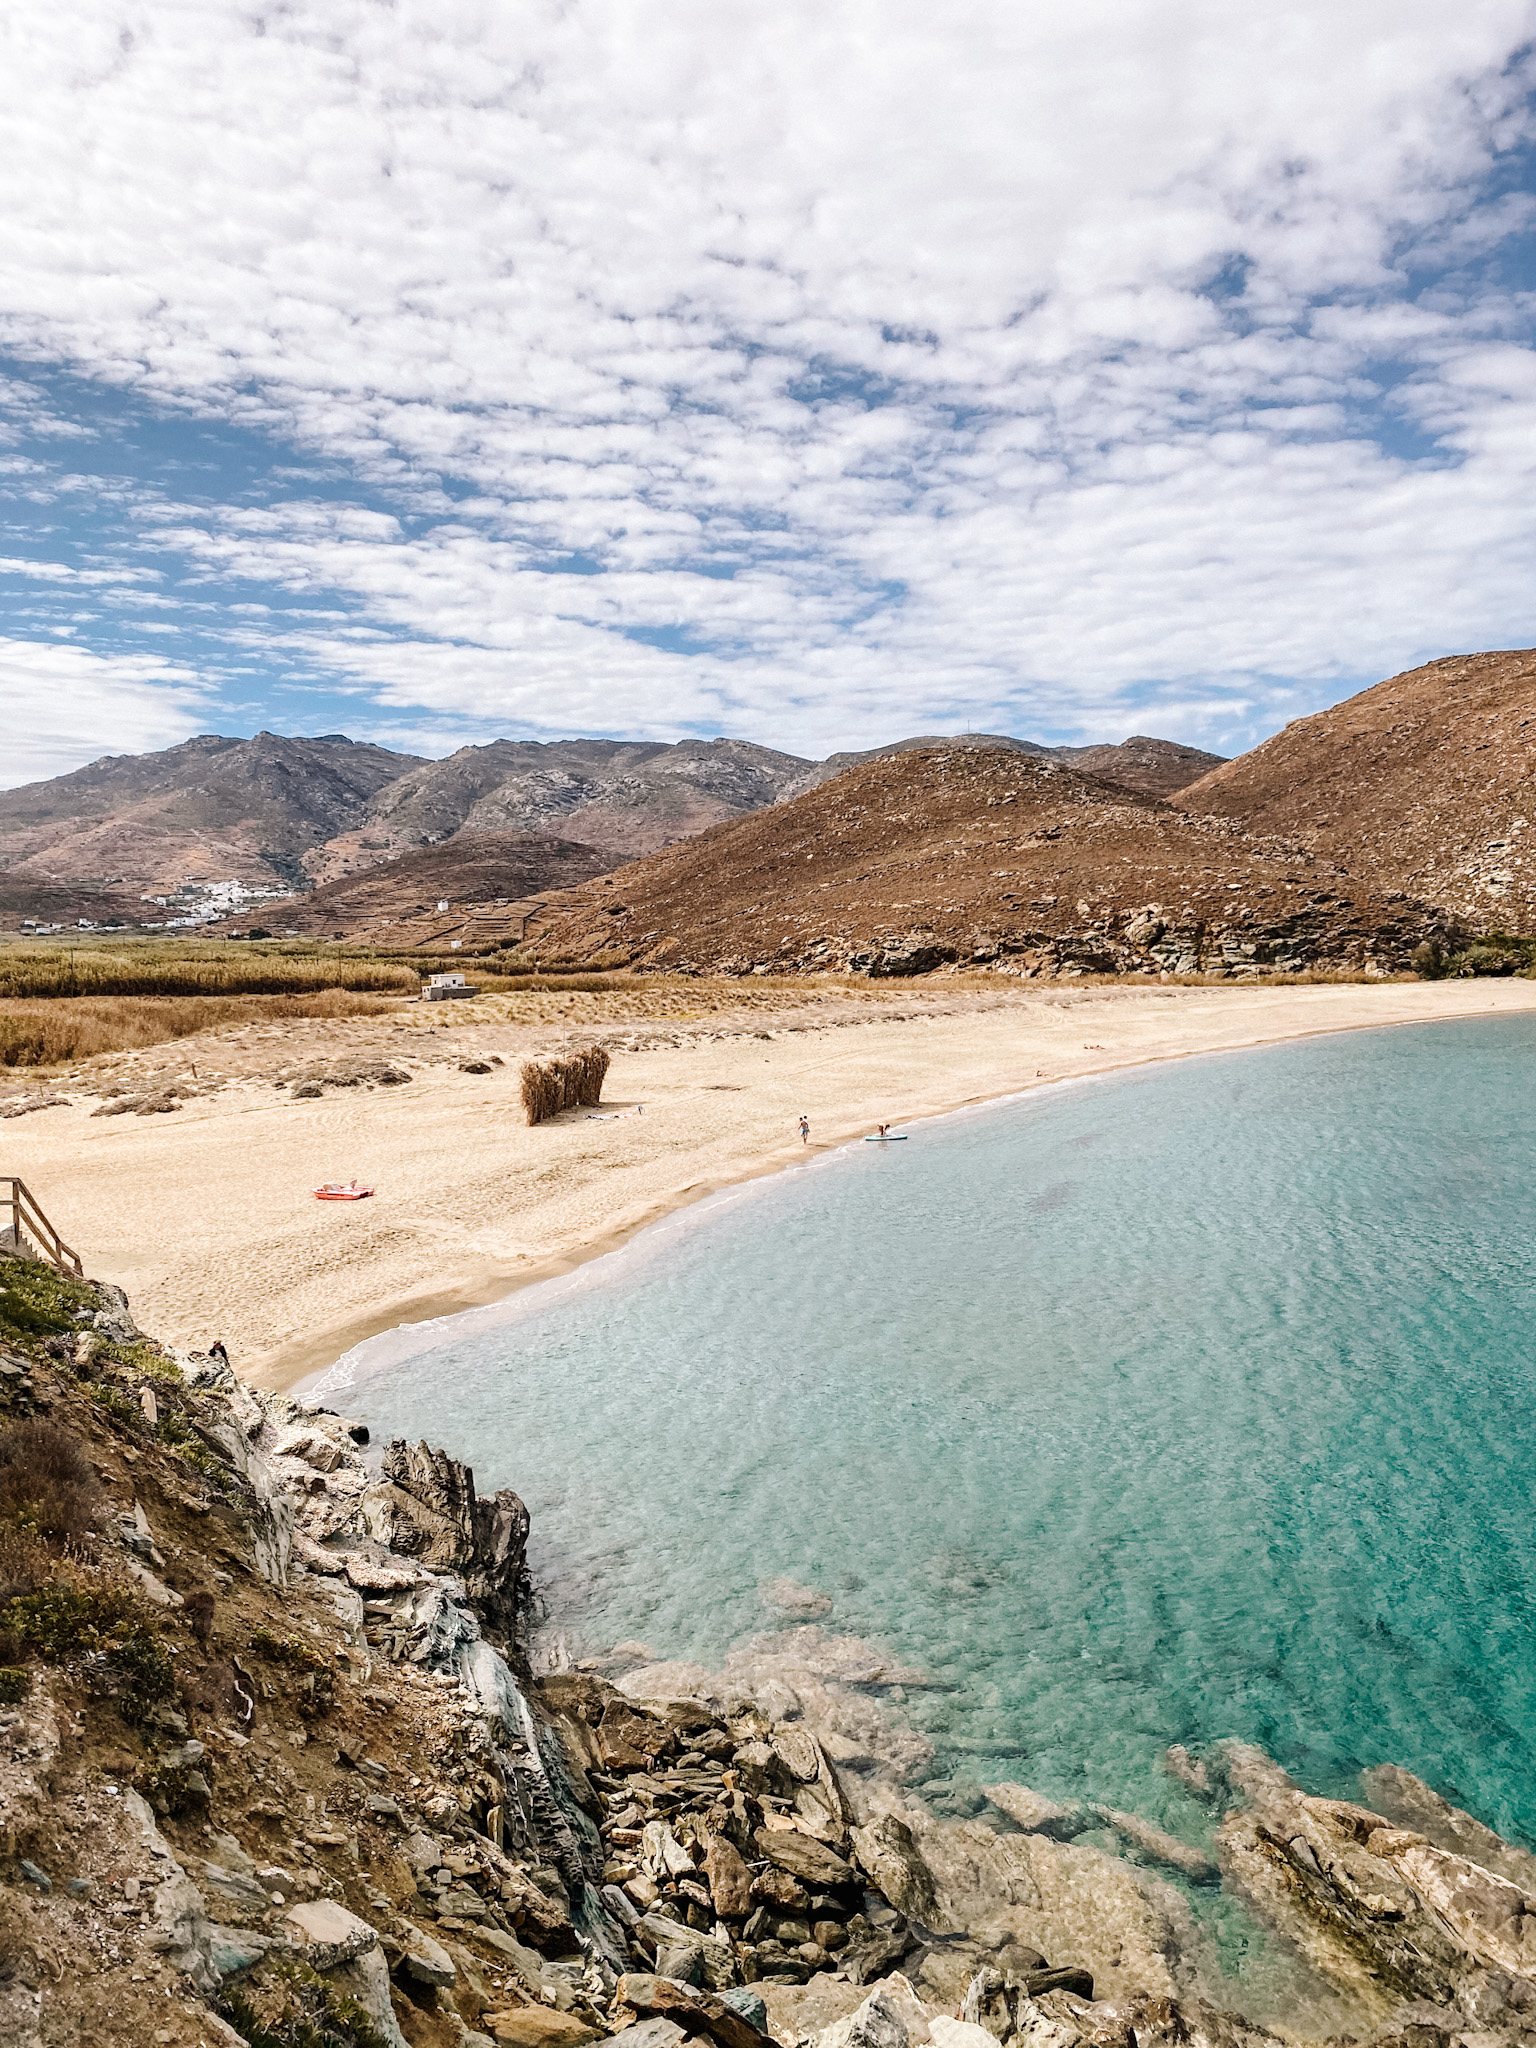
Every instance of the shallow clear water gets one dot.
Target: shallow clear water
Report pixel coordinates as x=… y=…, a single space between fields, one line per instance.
x=1187 y=1403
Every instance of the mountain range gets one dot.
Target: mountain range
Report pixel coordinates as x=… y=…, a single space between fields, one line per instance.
x=1407 y=812
x=290 y=814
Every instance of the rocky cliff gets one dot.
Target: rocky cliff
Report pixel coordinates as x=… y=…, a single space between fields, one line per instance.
x=274 y=1770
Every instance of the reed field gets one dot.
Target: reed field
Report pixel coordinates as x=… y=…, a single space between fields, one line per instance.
x=574 y=1082
x=48 y=971
x=52 y=1034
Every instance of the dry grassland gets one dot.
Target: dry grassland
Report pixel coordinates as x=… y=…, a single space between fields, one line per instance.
x=61 y=1033
x=50 y=971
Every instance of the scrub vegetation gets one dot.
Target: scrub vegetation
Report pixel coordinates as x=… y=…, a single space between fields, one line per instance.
x=51 y=1034
x=1495 y=953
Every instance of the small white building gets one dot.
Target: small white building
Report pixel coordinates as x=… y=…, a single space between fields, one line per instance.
x=442 y=988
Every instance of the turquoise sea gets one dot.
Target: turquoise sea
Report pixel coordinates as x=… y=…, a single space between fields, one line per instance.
x=1191 y=1402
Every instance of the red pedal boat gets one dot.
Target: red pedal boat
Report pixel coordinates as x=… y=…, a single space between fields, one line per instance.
x=342 y=1191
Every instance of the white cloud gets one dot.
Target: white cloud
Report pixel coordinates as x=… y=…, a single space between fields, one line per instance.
x=68 y=705
x=65 y=572
x=632 y=272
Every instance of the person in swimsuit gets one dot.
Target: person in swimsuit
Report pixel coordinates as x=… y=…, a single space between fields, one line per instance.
x=805 y=1131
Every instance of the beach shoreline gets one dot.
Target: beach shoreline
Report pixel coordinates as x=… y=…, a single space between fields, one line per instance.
x=206 y=1216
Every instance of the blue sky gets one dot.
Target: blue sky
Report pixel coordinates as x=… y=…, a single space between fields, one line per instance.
x=815 y=374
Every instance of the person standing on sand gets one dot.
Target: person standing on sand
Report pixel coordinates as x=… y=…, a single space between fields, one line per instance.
x=216 y=1350
x=805 y=1131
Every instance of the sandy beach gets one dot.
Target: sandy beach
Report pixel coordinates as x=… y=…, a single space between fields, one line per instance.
x=206 y=1215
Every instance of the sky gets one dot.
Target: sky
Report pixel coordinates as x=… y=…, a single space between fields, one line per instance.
x=814 y=372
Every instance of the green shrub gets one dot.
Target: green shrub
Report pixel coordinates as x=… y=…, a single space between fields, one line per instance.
x=184 y=1440
x=1487 y=960
x=148 y=1361
x=116 y=1403
x=15 y=1684
x=177 y=1789
x=292 y=1651
x=36 y=1303
x=106 y=1633
x=315 y=1693
x=297 y=2009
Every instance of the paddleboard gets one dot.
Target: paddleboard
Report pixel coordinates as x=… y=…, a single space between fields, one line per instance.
x=896 y=1138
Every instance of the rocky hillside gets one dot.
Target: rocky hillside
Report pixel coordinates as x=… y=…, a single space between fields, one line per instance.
x=630 y=794
x=1151 y=767
x=22 y=896
x=210 y=810
x=1426 y=783
x=274 y=1773
x=1154 y=767
x=395 y=901
x=978 y=857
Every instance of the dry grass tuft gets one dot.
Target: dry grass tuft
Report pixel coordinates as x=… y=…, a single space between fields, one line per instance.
x=47 y=1484
x=574 y=1082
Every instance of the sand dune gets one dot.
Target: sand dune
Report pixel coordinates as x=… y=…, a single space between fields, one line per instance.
x=206 y=1216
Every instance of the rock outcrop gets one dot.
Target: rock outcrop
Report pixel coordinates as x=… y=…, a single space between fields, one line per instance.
x=1380 y=1909
x=427 y=1508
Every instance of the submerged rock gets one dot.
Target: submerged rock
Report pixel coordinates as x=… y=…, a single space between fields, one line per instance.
x=1410 y=1802
x=1159 y=1847
x=1379 y=1909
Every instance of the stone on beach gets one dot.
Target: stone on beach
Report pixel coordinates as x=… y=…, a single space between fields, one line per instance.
x=540 y=2026
x=812 y=1862
x=730 y=1881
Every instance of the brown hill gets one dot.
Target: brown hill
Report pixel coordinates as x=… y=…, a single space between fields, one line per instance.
x=836 y=764
x=63 y=903
x=1426 y=783
x=210 y=810
x=977 y=856
x=1154 y=767
x=387 y=902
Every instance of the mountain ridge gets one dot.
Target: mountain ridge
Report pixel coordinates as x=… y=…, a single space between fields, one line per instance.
x=294 y=814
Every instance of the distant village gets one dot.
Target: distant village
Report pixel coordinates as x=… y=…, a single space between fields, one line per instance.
x=192 y=906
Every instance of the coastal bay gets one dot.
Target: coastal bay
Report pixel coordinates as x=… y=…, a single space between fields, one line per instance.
x=207 y=1218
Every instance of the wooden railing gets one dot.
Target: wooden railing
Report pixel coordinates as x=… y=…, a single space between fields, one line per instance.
x=30 y=1230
